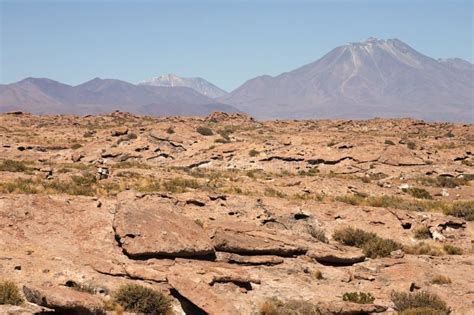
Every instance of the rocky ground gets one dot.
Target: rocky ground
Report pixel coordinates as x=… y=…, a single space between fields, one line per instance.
x=226 y=214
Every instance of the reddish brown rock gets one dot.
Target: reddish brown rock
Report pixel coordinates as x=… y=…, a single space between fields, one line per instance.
x=247 y=239
x=154 y=229
x=64 y=300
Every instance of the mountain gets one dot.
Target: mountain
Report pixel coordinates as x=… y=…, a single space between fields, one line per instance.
x=199 y=84
x=385 y=78
x=45 y=96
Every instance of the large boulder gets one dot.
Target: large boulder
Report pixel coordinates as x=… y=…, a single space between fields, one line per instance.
x=147 y=229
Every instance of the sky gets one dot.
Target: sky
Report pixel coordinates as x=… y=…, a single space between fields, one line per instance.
x=225 y=42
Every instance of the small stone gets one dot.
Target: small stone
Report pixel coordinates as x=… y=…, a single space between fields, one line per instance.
x=397 y=254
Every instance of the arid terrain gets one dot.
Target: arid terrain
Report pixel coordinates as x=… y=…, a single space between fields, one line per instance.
x=229 y=215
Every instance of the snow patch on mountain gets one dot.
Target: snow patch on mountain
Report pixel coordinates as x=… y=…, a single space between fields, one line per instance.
x=198 y=84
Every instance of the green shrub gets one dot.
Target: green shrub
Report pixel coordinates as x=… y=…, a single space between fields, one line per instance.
x=13 y=166
x=452 y=250
x=419 y=193
x=408 y=301
x=358 y=297
x=389 y=142
x=170 y=130
x=411 y=145
x=204 y=131
x=422 y=233
x=140 y=299
x=9 y=293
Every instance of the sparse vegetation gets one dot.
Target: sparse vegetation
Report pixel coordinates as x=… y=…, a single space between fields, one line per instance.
x=422 y=233
x=205 y=131
x=461 y=209
x=358 y=297
x=407 y=303
x=310 y=172
x=14 y=166
x=440 y=279
x=423 y=248
x=170 y=130
x=253 y=153
x=132 y=164
x=178 y=184
x=83 y=287
x=389 y=142
x=317 y=233
x=140 y=299
x=419 y=193
x=80 y=185
x=276 y=307
x=452 y=250
x=380 y=247
x=272 y=192
x=372 y=245
x=443 y=181
x=10 y=294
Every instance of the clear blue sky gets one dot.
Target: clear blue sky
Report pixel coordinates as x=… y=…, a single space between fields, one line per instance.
x=225 y=42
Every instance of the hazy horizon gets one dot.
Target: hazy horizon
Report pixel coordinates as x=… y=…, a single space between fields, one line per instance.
x=224 y=43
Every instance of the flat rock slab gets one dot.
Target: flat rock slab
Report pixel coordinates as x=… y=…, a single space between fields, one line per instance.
x=335 y=254
x=201 y=294
x=255 y=242
x=147 y=229
x=64 y=299
x=249 y=260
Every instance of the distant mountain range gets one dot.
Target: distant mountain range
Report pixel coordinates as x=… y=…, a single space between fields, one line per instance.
x=385 y=78
x=374 y=78
x=45 y=96
x=199 y=84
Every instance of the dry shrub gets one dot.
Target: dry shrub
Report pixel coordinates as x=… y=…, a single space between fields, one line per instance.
x=358 y=297
x=440 y=279
x=423 y=248
x=372 y=245
x=422 y=233
x=10 y=294
x=452 y=250
x=276 y=307
x=409 y=301
x=140 y=299
x=419 y=193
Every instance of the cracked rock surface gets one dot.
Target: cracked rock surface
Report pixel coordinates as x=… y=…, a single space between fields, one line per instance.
x=222 y=223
